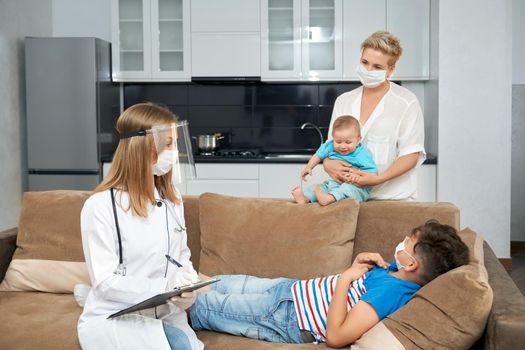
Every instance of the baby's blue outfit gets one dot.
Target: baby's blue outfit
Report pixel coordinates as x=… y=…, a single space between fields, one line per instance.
x=360 y=159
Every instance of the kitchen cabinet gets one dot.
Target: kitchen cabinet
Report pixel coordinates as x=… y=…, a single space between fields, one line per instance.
x=225 y=16
x=277 y=180
x=410 y=21
x=226 y=38
x=241 y=180
x=361 y=18
x=273 y=180
x=301 y=40
x=407 y=19
x=151 y=40
x=226 y=55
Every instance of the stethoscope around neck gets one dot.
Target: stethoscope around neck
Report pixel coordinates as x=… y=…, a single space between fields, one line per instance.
x=121 y=269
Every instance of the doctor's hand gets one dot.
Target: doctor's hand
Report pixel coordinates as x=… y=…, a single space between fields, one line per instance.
x=362 y=178
x=183 y=276
x=337 y=169
x=184 y=301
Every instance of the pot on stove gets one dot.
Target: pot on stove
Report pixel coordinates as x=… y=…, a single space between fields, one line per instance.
x=208 y=142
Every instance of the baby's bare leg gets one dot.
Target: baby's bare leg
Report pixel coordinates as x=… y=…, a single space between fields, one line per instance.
x=322 y=197
x=298 y=195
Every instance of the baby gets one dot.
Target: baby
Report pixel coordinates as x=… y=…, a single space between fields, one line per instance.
x=346 y=146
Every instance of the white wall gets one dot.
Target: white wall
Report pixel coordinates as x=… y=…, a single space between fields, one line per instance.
x=18 y=19
x=82 y=18
x=518 y=47
x=518 y=122
x=475 y=80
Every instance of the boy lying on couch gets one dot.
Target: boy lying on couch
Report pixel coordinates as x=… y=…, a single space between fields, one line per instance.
x=335 y=309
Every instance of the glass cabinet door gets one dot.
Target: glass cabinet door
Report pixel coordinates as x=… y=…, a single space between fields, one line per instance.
x=322 y=45
x=281 y=39
x=131 y=40
x=170 y=38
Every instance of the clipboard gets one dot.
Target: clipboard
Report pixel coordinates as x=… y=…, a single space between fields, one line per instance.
x=161 y=299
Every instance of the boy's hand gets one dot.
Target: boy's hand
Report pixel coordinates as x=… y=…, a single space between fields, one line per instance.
x=356 y=270
x=371 y=258
x=306 y=171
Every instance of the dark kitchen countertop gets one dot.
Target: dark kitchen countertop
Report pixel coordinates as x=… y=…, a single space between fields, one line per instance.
x=431 y=159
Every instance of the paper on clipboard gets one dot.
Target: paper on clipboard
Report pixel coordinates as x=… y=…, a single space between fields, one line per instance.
x=160 y=299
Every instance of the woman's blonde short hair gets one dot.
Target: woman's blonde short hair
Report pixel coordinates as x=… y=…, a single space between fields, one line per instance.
x=386 y=43
x=131 y=170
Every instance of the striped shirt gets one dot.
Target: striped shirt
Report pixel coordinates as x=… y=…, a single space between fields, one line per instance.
x=384 y=292
x=312 y=299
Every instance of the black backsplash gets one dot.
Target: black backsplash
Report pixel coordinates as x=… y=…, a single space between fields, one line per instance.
x=257 y=115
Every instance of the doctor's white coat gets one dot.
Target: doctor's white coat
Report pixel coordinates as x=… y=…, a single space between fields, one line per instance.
x=145 y=242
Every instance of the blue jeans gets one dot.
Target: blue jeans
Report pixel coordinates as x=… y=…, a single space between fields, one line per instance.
x=177 y=339
x=258 y=308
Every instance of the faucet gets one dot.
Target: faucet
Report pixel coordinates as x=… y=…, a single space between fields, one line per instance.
x=313 y=126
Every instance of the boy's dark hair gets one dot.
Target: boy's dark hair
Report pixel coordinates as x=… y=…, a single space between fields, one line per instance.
x=439 y=248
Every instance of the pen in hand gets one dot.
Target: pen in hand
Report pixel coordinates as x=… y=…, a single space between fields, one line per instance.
x=173 y=261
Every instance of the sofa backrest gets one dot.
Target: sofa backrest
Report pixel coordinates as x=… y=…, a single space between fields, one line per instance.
x=380 y=226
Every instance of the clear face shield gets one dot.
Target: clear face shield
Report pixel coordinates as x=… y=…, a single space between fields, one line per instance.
x=174 y=153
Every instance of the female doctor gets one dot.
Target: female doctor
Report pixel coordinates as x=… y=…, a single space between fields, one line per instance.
x=133 y=236
x=391 y=123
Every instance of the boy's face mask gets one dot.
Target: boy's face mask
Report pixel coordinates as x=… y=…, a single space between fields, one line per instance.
x=399 y=248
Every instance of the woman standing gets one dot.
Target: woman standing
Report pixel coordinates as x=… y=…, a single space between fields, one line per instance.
x=134 y=238
x=391 y=123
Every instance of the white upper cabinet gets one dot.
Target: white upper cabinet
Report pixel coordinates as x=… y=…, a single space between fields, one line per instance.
x=361 y=18
x=225 y=16
x=301 y=39
x=226 y=38
x=151 y=40
x=410 y=21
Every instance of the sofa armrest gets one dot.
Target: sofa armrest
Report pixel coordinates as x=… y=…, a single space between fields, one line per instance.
x=7 y=248
x=506 y=323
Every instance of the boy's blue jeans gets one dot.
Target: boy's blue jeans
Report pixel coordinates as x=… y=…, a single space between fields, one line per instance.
x=253 y=307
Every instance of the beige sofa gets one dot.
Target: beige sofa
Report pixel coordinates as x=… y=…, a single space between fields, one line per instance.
x=476 y=306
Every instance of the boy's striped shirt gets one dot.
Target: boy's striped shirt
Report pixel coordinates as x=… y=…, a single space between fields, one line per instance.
x=312 y=299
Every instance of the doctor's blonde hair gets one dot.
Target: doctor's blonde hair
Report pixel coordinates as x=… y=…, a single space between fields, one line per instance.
x=386 y=43
x=131 y=170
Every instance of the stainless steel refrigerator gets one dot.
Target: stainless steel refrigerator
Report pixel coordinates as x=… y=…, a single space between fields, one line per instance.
x=69 y=95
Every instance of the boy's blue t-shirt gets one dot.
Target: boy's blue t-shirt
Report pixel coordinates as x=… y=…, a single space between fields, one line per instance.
x=360 y=158
x=387 y=293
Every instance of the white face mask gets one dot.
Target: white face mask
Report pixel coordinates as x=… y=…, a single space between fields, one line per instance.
x=370 y=78
x=399 y=248
x=165 y=162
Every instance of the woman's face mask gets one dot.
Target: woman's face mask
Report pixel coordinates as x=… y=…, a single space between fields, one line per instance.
x=370 y=78
x=165 y=162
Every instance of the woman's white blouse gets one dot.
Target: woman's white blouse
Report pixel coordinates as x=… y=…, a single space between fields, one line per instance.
x=394 y=129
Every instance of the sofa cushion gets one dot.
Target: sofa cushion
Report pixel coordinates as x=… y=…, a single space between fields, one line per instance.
x=459 y=301
x=271 y=238
x=390 y=221
x=221 y=341
x=34 y=320
x=48 y=240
